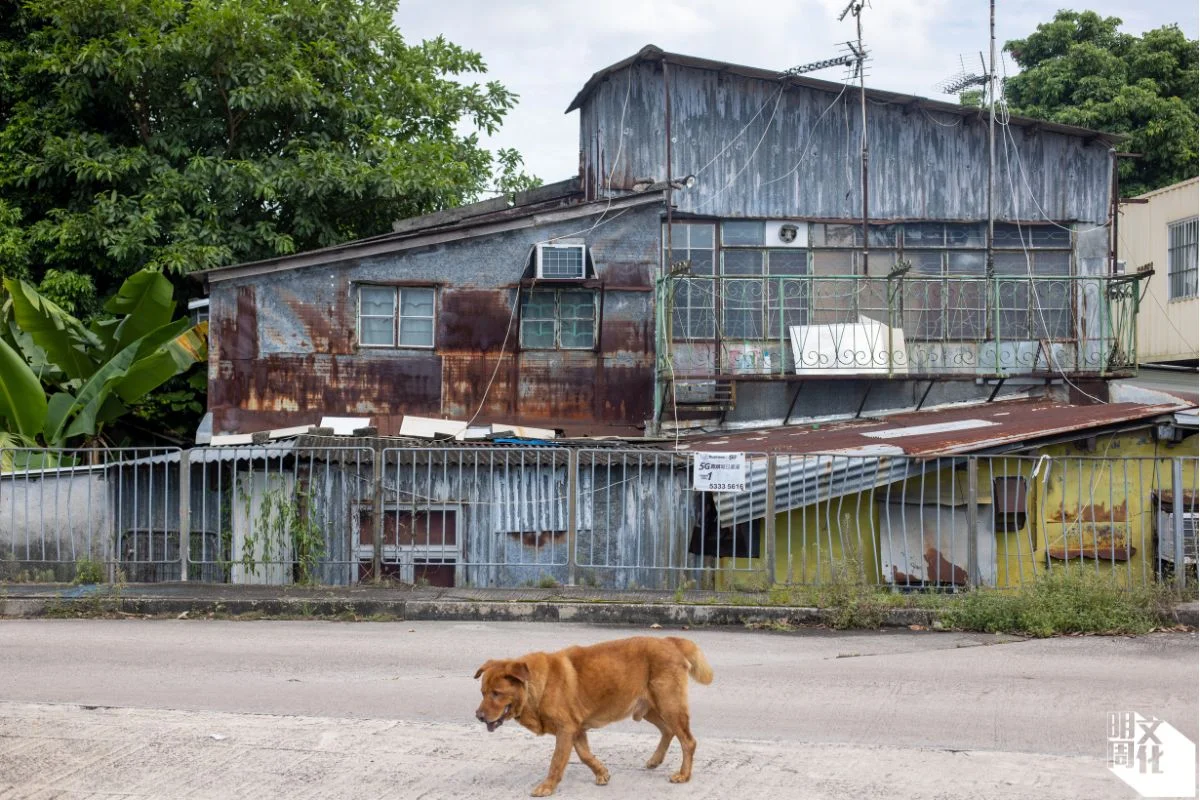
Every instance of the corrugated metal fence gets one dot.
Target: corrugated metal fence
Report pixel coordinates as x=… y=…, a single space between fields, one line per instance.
x=505 y=516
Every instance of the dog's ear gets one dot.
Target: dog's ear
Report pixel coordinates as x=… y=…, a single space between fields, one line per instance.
x=486 y=665
x=518 y=671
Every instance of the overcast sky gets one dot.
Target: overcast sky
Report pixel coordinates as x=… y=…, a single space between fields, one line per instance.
x=544 y=50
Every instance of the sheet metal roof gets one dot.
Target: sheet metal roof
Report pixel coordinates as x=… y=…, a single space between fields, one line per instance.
x=653 y=53
x=938 y=431
x=544 y=205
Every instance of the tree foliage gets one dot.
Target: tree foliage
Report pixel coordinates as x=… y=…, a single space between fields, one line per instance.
x=1080 y=69
x=185 y=134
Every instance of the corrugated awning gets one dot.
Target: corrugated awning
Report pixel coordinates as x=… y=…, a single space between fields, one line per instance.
x=806 y=479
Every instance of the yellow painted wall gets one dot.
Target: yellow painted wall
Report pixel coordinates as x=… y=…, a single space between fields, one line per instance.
x=812 y=542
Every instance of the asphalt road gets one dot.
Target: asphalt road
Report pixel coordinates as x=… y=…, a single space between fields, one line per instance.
x=140 y=709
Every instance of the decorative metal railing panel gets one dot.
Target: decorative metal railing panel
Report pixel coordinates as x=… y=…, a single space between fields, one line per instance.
x=969 y=326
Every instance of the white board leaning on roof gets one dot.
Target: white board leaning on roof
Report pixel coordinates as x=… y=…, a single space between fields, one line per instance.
x=719 y=472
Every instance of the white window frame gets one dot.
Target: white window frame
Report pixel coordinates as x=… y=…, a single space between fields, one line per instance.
x=1182 y=259
x=396 y=317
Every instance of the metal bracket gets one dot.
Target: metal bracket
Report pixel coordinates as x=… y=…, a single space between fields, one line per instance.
x=923 y=396
x=863 y=404
x=792 y=407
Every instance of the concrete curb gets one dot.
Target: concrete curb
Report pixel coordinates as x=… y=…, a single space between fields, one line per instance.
x=600 y=613
x=605 y=613
x=1187 y=614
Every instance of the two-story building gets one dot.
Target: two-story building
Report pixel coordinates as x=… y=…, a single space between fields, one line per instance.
x=706 y=268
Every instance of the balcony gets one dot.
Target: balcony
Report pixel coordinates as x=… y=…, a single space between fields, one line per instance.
x=904 y=326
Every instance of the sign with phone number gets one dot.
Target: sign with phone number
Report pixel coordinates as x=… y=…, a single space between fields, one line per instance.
x=719 y=472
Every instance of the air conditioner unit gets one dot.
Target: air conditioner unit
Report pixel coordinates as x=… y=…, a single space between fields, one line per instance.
x=787 y=234
x=561 y=261
x=1166 y=536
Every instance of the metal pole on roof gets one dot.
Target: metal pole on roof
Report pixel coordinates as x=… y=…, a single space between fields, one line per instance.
x=991 y=198
x=862 y=96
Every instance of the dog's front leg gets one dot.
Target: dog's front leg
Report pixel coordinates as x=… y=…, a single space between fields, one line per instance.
x=563 y=742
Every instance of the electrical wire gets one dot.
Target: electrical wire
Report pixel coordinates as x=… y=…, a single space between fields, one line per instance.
x=749 y=159
x=738 y=135
x=517 y=298
x=1052 y=358
x=808 y=140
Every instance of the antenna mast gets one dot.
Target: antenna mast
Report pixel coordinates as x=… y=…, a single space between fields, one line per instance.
x=855 y=7
x=854 y=59
x=954 y=85
x=991 y=198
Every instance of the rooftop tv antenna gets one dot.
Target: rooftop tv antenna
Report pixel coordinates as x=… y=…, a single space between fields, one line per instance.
x=854 y=58
x=955 y=84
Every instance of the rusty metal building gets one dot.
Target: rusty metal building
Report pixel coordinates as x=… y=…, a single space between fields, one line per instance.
x=705 y=268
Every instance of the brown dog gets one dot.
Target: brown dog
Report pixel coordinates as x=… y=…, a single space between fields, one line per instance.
x=574 y=690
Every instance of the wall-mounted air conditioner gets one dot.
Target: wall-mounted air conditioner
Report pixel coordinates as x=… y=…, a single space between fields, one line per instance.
x=1166 y=535
x=787 y=234
x=562 y=261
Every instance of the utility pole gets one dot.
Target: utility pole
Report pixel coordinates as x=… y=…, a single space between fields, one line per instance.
x=856 y=8
x=991 y=188
x=856 y=58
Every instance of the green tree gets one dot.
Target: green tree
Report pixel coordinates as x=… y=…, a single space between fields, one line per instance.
x=62 y=381
x=1079 y=69
x=186 y=134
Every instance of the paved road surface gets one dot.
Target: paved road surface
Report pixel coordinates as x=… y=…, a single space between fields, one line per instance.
x=212 y=709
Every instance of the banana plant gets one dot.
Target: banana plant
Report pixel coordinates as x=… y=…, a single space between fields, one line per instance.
x=62 y=381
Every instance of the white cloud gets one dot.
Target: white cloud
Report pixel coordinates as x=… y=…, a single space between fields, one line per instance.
x=545 y=50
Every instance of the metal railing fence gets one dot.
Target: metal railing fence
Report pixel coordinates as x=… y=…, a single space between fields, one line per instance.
x=899 y=324
x=606 y=517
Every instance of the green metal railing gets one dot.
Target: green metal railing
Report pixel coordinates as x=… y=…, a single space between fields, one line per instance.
x=898 y=325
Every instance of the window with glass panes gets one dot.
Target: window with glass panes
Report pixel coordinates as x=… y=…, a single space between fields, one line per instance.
x=943 y=296
x=558 y=319
x=693 y=296
x=1182 y=259
x=1030 y=302
x=395 y=316
x=762 y=291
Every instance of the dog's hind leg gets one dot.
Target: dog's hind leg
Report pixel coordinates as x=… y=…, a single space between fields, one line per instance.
x=664 y=742
x=678 y=720
x=585 y=755
x=669 y=696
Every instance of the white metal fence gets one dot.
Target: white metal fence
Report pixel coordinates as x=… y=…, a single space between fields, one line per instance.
x=618 y=518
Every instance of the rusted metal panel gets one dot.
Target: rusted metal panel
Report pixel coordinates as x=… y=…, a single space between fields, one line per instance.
x=287 y=351
x=760 y=147
x=284 y=390
x=475 y=320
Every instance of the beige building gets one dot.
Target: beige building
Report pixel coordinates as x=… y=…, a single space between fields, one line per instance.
x=1162 y=233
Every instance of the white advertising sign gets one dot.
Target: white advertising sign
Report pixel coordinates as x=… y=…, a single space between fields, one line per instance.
x=719 y=472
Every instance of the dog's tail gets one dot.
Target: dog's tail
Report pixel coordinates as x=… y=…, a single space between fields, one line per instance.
x=698 y=666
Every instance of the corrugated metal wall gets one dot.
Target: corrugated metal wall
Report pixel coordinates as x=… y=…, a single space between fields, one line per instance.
x=1167 y=329
x=283 y=346
x=757 y=151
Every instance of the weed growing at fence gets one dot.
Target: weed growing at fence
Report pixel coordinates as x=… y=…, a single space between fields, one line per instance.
x=854 y=603
x=1071 y=600
x=284 y=533
x=88 y=571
